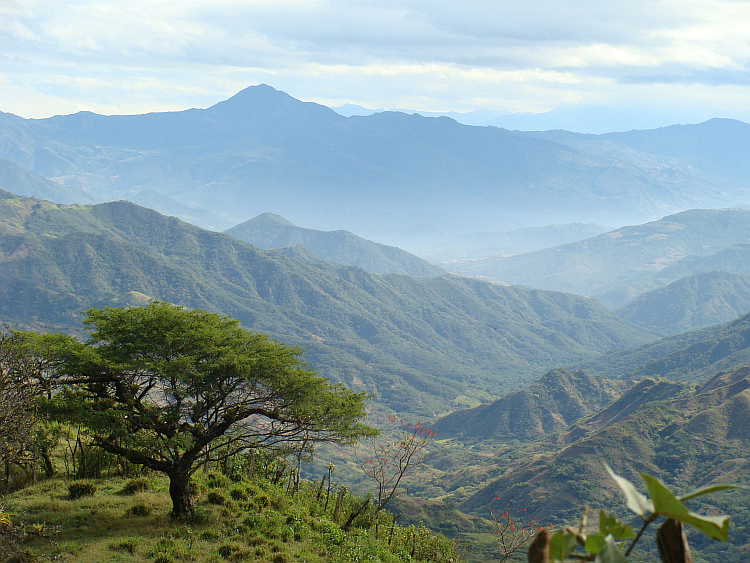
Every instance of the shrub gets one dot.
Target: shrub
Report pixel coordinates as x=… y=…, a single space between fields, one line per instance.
x=139 y=510
x=135 y=486
x=127 y=545
x=81 y=489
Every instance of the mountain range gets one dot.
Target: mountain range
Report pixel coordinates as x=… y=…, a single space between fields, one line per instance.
x=421 y=346
x=619 y=265
x=391 y=177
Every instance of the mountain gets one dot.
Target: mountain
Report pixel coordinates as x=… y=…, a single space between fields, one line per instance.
x=23 y=182
x=617 y=266
x=471 y=246
x=693 y=356
x=718 y=147
x=389 y=176
x=421 y=346
x=268 y=231
x=558 y=399
x=691 y=302
x=688 y=438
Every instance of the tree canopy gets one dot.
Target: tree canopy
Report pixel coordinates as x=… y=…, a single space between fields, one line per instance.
x=169 y=388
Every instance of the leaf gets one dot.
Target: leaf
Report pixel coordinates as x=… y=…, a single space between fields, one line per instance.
x=594 y=544
x=715 y=527
x=610 y=553
x=707 y=491
x=561 y=545
x=666 y=504
x=637 y=502
x=608 y=524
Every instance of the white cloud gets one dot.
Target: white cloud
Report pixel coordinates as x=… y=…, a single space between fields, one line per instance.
x=144 y=55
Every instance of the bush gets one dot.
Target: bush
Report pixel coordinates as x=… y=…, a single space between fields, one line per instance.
x=135 y=486
x=81 y=489
x=139 y=510
x=217 y=498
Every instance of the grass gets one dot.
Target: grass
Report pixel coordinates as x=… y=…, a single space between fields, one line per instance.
x=255 y=521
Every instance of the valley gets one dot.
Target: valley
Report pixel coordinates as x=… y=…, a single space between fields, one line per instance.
x=537 y=343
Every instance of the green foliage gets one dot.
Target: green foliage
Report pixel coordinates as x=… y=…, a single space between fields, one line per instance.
x=165 y=387
x=134 y=486
x=614 y=541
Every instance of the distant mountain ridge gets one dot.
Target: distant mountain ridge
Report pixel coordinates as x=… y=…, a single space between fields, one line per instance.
x=692 y=356
x=391 y=177
x=687 y=438
x=267 y=231
x=619 y=265
x=421 y=346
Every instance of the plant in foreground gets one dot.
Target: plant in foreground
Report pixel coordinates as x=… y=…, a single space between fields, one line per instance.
x=614 y=541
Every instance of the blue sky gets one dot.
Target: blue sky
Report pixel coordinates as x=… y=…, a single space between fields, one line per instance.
x=675 y=60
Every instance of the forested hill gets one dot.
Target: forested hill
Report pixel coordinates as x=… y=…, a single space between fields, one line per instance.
x=268 y=231
x=692 y=356
x=419 y=346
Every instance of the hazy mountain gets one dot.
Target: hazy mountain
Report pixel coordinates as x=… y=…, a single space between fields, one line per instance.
x=693 y=356
x=557 y=400
x=385 y=176
x=621 y=264
x=691 y=302
x=470 y=246
x=718 y=147
x=21 y=181
x=268 y=231
x=420 y=346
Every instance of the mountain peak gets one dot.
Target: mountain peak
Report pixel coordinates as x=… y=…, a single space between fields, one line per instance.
x=271 y=103
x=271 y=219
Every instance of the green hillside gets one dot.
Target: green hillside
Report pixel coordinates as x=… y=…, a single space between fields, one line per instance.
x=693 y=356
x=419 y=346
x=268 y=231
x=558 y=399
x=691 y=302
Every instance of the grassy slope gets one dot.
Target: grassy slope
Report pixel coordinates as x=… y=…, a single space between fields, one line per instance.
x=244 y=520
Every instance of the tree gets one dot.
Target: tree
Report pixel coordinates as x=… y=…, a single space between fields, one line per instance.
x=21 y=373
x=387 y=462
x=170 y=388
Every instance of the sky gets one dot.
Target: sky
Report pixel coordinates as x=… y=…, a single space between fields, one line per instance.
x=669 y=61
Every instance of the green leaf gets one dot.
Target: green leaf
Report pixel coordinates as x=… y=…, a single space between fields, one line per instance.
x=707 y=491
x=608 y=524
x=666 y=504
x=594 y=544
x=637 y=502
x=561 y=545
x=610 y=553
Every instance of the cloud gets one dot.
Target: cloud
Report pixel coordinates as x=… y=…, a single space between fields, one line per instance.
x=529 y=56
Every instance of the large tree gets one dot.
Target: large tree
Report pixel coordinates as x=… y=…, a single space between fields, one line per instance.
x=168 y=388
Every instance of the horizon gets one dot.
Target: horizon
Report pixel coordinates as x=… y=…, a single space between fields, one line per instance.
x=636 y=65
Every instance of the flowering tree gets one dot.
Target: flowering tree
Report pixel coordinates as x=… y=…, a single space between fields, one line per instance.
x=386 y=462
x=513 y=532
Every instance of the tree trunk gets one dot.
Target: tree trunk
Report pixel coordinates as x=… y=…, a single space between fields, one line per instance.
x=179 y=491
